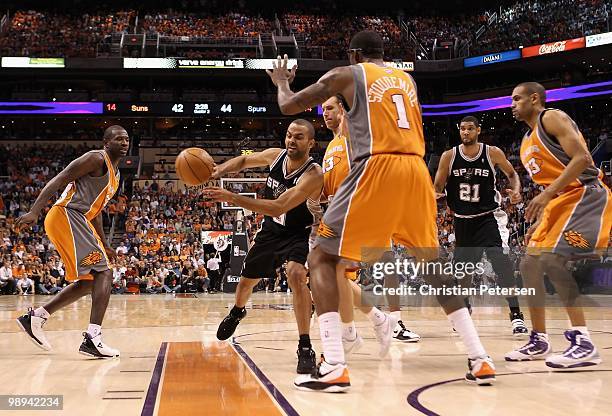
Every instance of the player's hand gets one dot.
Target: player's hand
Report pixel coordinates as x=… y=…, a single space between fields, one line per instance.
x=280 y=72
x=440 y=195
x=536 y=206
x=111 y=254
x=26 y=220
x=515 y=197
x=216 y=173
x=216 y=194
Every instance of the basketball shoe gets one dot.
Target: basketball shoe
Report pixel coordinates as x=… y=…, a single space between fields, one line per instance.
x=351 y=346
x=384 y=334
x=481 y=371
x=32 y=325
x=327 y=378
x=228 y=325
x=307 y=360
x=580 y=353
x=538 y=348
x=518 y=325
x=94 y=347
x=403 y=334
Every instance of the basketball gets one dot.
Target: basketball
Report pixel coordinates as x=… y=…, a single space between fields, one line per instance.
x=194 y=166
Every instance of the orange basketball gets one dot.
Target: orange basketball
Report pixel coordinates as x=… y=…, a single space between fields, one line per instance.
x=194 y=166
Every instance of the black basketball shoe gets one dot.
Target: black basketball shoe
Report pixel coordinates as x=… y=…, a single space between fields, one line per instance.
x=307 y=360
x=228 y=325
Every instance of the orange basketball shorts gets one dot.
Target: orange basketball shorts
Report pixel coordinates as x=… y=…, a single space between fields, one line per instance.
x=576 y=222
x=77 y=242
x=386 y=198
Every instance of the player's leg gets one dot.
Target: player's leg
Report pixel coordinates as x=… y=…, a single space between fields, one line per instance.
x=302 y=308
x=581 y=352
x=351 y=340
x=538 y=347
x=92 y=344
x=417 y=231
x=259 y=263
x=502 y=266
x=244 y=290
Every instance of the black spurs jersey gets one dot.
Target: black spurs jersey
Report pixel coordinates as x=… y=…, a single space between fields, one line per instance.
x=471 y=187
x=304 y=215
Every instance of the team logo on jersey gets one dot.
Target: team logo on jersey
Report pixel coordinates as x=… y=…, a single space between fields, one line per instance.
x=325 y=231
x=92 y=258
x=576 y=239
x=468 y=175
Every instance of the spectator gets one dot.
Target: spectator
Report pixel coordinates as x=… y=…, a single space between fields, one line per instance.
x=7 y=283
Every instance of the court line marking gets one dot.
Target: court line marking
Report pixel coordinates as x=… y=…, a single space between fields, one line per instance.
x=148 y=407
x=276 y=394
x=413 y=397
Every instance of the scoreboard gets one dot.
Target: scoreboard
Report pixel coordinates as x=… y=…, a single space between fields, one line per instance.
x=178 y=109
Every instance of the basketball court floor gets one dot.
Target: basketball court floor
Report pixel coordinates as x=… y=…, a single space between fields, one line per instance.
x=171 y=364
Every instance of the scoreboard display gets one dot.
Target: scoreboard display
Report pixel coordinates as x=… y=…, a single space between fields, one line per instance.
x=223 y=109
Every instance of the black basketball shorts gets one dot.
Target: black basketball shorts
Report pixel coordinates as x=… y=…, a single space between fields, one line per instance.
x=474 y=235
x=272 y=248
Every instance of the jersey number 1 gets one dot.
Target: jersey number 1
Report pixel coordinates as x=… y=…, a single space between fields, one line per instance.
x=402 y=117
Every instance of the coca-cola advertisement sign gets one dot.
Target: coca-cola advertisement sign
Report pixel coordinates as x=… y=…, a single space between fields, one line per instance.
x=554 y=47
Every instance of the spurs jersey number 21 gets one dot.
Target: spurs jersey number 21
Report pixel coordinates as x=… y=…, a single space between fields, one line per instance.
x=386 y=113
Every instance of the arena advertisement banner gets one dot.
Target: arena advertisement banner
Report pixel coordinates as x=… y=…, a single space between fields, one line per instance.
x=25 y=62
x=149 y=63
x=220 y=239
x=599 y=39
x=237 y=63
x=554 y=47
x=403 y=65
x=492 y=58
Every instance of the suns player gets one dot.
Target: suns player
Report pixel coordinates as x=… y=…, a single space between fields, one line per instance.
x=388 y=195
x=573 y=217
x=467 y=172
x=74 y=226
x=291 y=206
x=336 y=166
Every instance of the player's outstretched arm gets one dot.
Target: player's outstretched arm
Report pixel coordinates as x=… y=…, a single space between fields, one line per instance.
x=310 y=184
x=561 y=126
x=84 y=165
x=499 y=159
x=253 y=160
x=336 y=81
x=442 y=174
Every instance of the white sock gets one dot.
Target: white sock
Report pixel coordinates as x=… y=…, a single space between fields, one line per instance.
x=463 y=324
x=583 y=330
x=397 y=315
x=94 y=330
x=331 y=337
x=41 y=313
x=349 y=332
x=376 y=316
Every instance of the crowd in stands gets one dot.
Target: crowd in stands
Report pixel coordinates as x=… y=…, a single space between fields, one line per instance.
x=42 y=34
x=319 y=35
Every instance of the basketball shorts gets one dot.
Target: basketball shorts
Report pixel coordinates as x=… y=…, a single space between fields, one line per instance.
x=77 y=242
x=474 y=235
x=271 y=249
x=385 y=198
x=576 y=222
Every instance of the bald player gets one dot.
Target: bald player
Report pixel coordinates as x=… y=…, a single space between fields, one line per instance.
x=387 y=197
x=74 y=226
x=572 y=217
x=336 y=166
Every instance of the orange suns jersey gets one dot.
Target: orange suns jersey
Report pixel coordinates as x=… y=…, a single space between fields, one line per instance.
x=336 y=165
x=386 y=113
x=545 y=159
x=90 y=194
